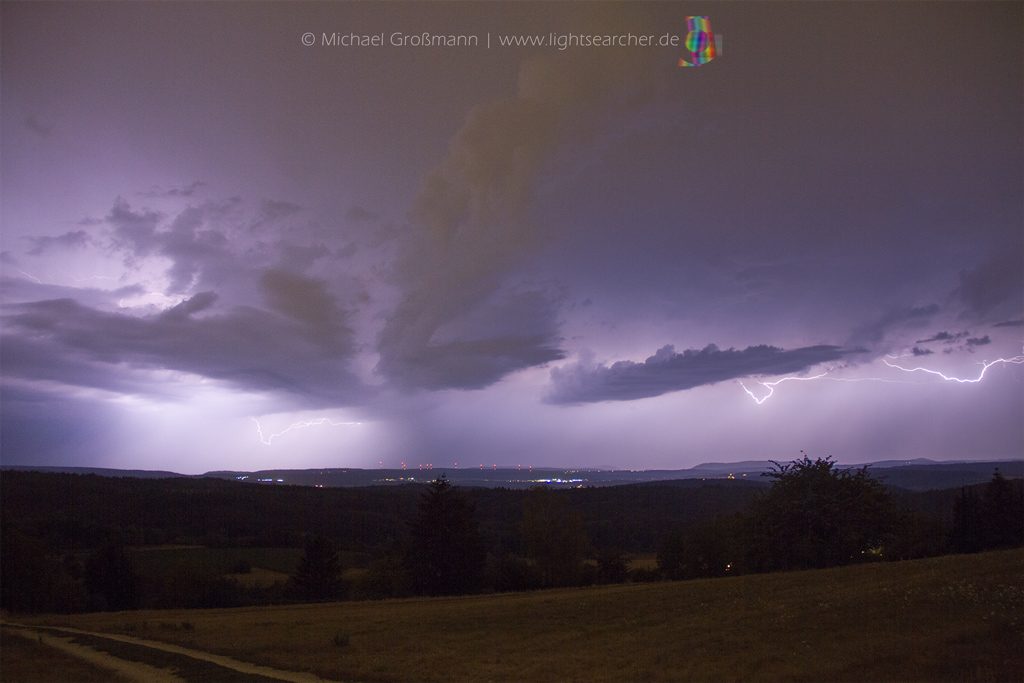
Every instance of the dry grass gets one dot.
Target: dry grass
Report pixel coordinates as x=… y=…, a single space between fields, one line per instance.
x=643 y=561
x=951 y=618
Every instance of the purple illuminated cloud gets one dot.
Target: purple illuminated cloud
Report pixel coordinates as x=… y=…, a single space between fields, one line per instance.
x=667 y=371
x=302 y=349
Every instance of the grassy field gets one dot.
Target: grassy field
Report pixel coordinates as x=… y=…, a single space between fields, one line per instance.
x=957 y=618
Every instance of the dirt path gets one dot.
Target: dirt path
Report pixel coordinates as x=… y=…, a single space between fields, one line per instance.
x=132 y=671
x=148 y=661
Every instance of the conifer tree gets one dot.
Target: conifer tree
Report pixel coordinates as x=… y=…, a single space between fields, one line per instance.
x=446 y=554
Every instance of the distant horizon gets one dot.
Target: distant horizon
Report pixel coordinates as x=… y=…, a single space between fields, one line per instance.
x=738 y=466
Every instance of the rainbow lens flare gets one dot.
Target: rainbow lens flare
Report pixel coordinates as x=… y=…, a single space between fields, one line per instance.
x=700 y=41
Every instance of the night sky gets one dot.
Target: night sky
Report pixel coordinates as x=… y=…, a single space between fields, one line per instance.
x=225 y=249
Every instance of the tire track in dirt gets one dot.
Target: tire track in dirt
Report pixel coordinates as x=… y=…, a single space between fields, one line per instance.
x=149 y=661
x=133 y=671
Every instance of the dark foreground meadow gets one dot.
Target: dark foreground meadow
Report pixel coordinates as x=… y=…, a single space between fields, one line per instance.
x=953 y=618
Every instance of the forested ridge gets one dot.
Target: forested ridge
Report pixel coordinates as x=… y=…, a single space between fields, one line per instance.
x=68 y=538
x=72 y=511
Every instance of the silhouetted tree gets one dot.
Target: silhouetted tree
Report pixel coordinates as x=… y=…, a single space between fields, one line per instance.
x=816 y=515
x=446 y=553
x=33 y=579
x=111 y=578
x=611 y=566
x=1003 y=509
x=968 y=533
x=917 y=535
x=553 y=536
x=318 y=573
x=707 y=549
x=509 y=573
x=995 y=519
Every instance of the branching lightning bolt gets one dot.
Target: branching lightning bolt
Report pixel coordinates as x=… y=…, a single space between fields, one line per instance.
x=771 y=385
x=298 y=425
x=1016 y=360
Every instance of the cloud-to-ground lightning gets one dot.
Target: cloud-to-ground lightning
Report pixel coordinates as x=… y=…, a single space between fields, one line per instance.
x=297 y=425
x=985 y=365
x=771 y=385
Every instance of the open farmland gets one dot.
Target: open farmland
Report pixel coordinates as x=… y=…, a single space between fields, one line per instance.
x=948 y=618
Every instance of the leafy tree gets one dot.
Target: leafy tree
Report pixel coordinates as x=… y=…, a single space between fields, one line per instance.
x=386 y=578
x=707 y=549
x=318 y=574
x=816 y=515
x=917 y=535
x=111 y=577
x=446 y=553
x=33 y=579
x=553 y=536
x=511 y=573
x=611 y=566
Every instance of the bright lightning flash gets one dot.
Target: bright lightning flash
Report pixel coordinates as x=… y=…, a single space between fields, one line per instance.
x=298 y=425
x=1016 y=360
x=771 y=386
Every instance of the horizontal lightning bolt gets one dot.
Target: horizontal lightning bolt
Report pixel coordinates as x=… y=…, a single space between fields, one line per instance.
x=298 y=425
x=771 y=385
x=1016 y=360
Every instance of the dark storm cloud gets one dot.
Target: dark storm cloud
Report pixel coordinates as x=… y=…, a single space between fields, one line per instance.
x=185 y=191
x=875 y=331
x=474 y=211
x=976 y=341
x=1010 y=323
x=196 y=241
x=272 y=210
x=21 y=290
x=921 y=352
x=134 y=232
x=997 y=280
x=298 y=257
x=32 y=358
x=189 y=244
x=506 y=334
x=254 y=349
x=667 y=371
x=945 y=337
x=307 y=301
x=69 y=240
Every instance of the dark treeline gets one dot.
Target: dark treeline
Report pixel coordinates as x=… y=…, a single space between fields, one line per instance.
x=67 y=538
x=74 y=512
